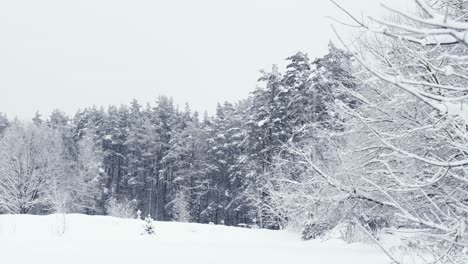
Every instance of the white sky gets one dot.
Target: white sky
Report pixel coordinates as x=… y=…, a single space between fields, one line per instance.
x=72 y=54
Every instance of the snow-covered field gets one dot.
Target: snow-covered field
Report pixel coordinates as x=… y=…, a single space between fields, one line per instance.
x=101 y=239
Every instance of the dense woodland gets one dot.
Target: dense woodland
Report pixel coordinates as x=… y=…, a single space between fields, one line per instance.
x=373 y=135
x=174 y=164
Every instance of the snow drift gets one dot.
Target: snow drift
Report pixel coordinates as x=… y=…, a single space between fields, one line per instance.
x=102 y=239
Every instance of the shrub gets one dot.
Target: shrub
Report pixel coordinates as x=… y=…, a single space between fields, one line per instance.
x=148 y=228
x=121 y=208
x=314 y=229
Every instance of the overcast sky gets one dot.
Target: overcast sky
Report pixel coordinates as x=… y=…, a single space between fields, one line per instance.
x=72 y=54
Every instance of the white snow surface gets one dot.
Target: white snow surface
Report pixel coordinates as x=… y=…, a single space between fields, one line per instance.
x=86 y=239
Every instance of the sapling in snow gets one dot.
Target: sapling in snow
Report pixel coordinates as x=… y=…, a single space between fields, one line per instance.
x=138 y=215
x=148 y=226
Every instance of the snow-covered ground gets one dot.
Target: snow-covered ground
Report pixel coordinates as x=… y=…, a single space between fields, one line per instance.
x=101 y=239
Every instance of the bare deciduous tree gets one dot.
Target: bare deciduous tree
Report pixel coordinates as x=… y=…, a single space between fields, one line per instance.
x=30 y=157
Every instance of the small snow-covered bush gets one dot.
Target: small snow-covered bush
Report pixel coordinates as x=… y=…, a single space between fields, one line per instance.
x=363 y=229
x=314 y=229
x=374 y=224
x=138 y=215
x=181 y=208
x=148 y=228
x=121 y=208
x=254 y=226
x=350 y=232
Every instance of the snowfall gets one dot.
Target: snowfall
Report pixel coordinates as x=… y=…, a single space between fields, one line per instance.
x=86 y=239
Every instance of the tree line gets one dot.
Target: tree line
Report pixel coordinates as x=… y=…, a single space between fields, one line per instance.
x=171 y=163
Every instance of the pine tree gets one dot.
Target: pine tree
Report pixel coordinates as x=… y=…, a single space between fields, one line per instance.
x=4 y=123
x=148 y=228
x=37 y=118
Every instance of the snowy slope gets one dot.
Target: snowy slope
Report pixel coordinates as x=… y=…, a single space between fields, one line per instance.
x=101 y=239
